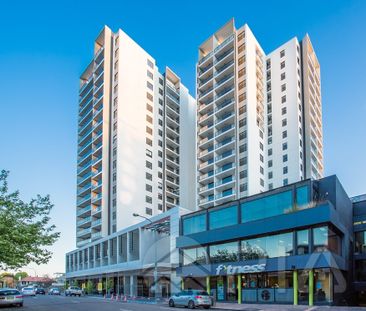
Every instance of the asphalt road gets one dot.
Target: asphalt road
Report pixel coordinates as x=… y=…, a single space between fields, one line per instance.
x=62 y=303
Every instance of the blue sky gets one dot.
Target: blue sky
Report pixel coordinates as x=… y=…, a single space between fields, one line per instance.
x=44 y=47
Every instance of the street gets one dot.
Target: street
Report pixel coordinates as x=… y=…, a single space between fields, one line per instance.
x=62 y=303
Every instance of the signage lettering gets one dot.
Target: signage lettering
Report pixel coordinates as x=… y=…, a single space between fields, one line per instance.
x=222 y=269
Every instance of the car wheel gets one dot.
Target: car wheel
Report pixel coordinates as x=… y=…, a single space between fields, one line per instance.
x=171 y=303
x=20 y=305
x=206 y=307
x=191 y=304
x=79 y=295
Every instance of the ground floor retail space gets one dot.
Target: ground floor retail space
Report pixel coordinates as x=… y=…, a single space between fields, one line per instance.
x=314 y=286
x=131 y=285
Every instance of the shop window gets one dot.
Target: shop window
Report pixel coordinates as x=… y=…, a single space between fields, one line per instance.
x=223 y=217
x=226 y=252
x=302 y=240
x=360 y=242
x=279 y=245
x=196 y=255
x=325 y=239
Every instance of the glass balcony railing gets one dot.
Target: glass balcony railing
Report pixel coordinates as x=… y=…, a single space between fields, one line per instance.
x=222 y=68
x=224 y=181
x=224 y=168
x=224 y=142
x=224 y=104
x=224 y=117
x=224 y=91
x=82 y=211
x=83 y=199
x=225 y=129
x=83 y=232
x=223 y=80
x=222 y=56
x=96 y=222
x=96 y=235
x=225 y=155
x=81 y=179
x=83 y=221
x=225 y=193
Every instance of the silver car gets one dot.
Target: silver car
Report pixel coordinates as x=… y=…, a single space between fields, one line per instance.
x=10 y=297
x=191 y=299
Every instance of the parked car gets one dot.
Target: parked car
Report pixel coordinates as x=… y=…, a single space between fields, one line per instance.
x=28 y=291
x=73 y=291
x=54 y=291
x=10 y=297
x=191 y=299
x=40 y=291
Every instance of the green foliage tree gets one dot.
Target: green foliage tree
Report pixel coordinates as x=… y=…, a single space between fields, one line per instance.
x=20 y=275
x=89 y=287
x=25 y=232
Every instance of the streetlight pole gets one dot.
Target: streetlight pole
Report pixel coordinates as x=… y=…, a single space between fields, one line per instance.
x=155 y=253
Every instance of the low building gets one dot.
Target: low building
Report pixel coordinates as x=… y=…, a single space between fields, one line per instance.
x=35 y=280
x=289 y=245
x=124 y=262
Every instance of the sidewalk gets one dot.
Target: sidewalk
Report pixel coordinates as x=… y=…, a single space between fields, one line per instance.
x=273 y=307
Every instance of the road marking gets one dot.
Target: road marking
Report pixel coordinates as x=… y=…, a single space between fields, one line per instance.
x=310 y=309
x=125 y=309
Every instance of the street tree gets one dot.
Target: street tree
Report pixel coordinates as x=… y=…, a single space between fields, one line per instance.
x=25 y=229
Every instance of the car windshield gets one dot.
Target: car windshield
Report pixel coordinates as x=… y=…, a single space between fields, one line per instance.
x=9 y=292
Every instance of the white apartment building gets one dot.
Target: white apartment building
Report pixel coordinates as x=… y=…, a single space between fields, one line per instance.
x=136 y=139
x=258 y=115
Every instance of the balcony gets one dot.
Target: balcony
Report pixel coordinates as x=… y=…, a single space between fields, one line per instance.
x=209 y=188
x=222 y=56
x=83 y=105
x=225 y=194
x=224 y=92
x=205 y=70
x=225 y=142
x=203 y=82
x=81 y=180
x=205 y=58
x=225 y=117
x=83 y=211
x=96 y=235
x=224 y=183
x=85 y=85
x=204 y=93
x=225 y=168
x=81 y=202
x=83 y=221
x=205 y=176
x=172 y=98
x=205 y=118
x=224 y=79
x=83 y=232
x=224 y=67
x=96 y=198
x=205 y=128
x=96 y=223
x=225 y=156
x=96 y=210
x=205 y=152
x=224 y=129
x=83 y=242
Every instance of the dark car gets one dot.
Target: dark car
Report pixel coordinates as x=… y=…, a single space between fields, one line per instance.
x=40 y=291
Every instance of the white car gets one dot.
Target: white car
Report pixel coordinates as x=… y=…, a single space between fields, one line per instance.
x=29 y=291
x=73 y=291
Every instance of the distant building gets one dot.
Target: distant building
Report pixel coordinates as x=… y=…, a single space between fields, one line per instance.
x=35 y=280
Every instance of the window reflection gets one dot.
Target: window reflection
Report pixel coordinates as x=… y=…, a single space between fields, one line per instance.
x=269 y=206
x=223 y=217
x=195 y=255
x=302 y=238
x=360 y=242
x=224 y=252
x=194 y=224
x=267 y=247
x=325 y=239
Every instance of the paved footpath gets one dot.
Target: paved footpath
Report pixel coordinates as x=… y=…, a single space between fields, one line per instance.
x=62 y=303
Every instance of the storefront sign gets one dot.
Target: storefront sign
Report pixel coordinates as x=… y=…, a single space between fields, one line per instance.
x=230 y=269
x=100 y=287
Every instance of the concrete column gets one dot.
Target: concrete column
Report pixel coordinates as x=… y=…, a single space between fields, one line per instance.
x=239 y=288
x=296 y=287
x=208 y=287
x=132 y=285
x=311 y=287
